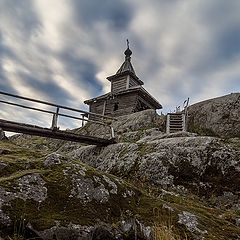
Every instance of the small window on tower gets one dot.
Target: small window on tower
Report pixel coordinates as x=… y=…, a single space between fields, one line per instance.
x=115 y=107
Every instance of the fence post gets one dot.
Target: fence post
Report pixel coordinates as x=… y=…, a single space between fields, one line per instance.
x=168 y=124
x=112 y=132
x=83 y=115
x=54 y=120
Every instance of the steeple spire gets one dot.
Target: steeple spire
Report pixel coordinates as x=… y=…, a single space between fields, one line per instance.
x=127 y=65
x=128 y=52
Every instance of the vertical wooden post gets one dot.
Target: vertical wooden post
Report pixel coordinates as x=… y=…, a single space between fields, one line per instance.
x=186 y=102
x=128 y=82
x=104 y=107
x=184 y=123
x=112 y=132
x=82 y=119
x=168 y=124
x=54 y=120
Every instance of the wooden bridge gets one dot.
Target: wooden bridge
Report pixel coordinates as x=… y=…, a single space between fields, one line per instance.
x=54 y=131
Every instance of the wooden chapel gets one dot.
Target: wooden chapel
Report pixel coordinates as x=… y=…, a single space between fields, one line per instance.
x=127 y=93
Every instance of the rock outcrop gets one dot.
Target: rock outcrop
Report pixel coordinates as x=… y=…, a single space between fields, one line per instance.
x=52 y=196
x=181 y=162
x=129 y=190
x=216 y=117
x=129 y=127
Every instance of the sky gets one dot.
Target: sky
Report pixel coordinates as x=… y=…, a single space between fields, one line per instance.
x=62 y=50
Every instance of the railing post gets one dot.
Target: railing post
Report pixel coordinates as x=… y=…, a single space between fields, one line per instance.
x=186 y=118
x=168 y=124
x=83 y=115
x=54 y=120
x=184 y=123
x=186 y=102
x=112 y=132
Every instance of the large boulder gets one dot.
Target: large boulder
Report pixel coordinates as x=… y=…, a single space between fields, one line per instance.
x=51 y=196
x=217 y=117
x=127 y=124
x=180 y=162
x=148 y=183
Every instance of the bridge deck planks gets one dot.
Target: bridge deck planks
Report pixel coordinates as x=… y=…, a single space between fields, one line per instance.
x=56 y=134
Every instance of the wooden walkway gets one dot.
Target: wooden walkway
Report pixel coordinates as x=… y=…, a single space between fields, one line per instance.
x=54 y=131
x=49 y=133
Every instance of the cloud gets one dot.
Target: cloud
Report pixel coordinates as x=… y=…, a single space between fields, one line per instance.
x=185 y=46
x=62 y=51
x=116 y=14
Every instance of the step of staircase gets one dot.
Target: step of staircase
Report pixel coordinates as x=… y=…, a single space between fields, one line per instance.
x=175 y=122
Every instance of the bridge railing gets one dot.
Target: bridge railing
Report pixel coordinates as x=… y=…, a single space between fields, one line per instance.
x=85 y=116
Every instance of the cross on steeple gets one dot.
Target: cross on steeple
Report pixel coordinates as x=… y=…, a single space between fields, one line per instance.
x=127 y=65
x=127 y=43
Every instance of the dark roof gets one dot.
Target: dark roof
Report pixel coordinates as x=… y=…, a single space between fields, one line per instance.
x=144 y=93
x=127 y=65
x=126 y=68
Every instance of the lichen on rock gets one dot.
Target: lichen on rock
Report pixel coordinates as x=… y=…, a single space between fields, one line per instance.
x=84 y=189
x=31 y=187
x=65 y=190
x=191 y=222
x=216 y=117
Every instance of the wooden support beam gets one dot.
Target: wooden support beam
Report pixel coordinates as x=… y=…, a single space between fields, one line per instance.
x=57 y=134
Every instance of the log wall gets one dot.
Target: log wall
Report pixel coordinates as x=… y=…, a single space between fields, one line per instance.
x=125 y=105
x=119 y=84
x=120 y=105
x=132 y=82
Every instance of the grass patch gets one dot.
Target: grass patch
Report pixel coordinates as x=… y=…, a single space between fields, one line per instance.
x=166 y=232
x=20 y=174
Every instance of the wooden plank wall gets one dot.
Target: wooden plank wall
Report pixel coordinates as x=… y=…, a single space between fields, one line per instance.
x=127 y=104
x=132 y=82
x=97 y=107
x=148 y=105
x=119 y=84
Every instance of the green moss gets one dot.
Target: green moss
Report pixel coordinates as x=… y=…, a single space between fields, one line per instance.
x=18 y=161
x=20 y=174
x=201 y=130
x=145 y=204
x=86 y=128
x=144 y=149
x=233 y=142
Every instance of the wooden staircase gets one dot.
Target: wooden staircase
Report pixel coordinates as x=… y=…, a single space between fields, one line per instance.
x=176 y=122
